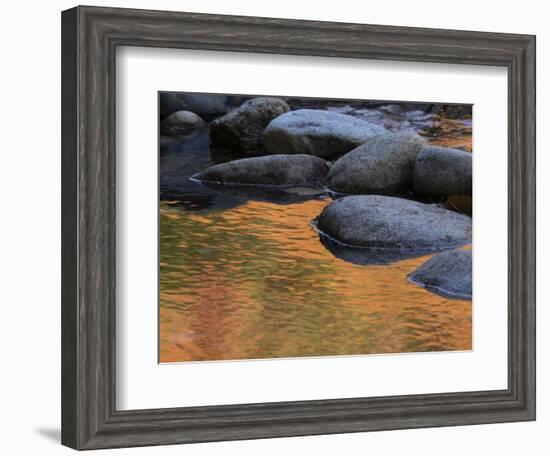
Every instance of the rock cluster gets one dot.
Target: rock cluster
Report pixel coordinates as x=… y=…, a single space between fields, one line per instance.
x=390 y=185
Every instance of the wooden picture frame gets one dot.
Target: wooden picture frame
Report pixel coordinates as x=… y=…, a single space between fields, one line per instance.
x=90 y=36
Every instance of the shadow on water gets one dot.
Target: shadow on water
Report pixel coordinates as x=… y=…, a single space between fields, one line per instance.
x=367 y=256
x=275 y=195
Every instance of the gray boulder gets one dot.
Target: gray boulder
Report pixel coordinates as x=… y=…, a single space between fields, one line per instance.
x=180 y=123
x=242 y=128
x=326 y=134
x=440 y=171
x=276 y=170
x=447 y=273
x=383 y=222
x=383 y=165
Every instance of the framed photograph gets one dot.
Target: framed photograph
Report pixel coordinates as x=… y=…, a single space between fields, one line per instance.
x=278 y=228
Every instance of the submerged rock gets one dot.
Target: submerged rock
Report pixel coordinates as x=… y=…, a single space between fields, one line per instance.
x=326 y=134
x=242 y=128
x=276 y=170
x=383 y=222
x=440 y=171
x=383 y=165
x=180 y=123
x=448 y=273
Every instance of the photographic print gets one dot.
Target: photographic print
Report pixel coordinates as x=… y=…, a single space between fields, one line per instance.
x=306 y=227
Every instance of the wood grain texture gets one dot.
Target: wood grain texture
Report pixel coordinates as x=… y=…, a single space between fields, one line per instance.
x=69 y=246
x=90 y=36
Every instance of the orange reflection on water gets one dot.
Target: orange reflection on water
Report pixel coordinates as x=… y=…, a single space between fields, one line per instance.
x=255 y=282
x=453 y=133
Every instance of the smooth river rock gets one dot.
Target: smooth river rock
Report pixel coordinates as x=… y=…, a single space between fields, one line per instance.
x=384 y=222
x=383 y=165
x=325 y=134
x=180 y=123
x=440 y=171
x=273 y=170
x=448 y=273
x=242 y=128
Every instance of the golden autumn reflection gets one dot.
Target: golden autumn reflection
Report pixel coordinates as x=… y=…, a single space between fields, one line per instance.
x=248 y=278
x=255 y=282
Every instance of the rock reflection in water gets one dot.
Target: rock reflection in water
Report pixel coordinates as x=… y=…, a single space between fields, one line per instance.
x=365 y=256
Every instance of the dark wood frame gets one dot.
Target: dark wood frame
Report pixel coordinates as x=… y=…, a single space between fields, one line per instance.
x=90 y=36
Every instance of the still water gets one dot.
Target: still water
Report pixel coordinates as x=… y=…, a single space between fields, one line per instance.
x=243 y=274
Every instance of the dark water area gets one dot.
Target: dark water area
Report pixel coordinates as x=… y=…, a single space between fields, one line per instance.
x=185 y=157
x=244 y=274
